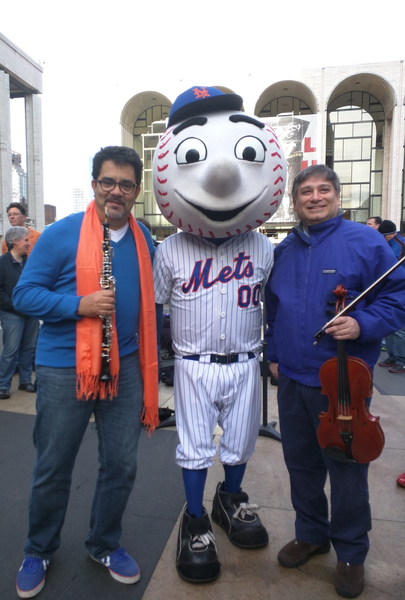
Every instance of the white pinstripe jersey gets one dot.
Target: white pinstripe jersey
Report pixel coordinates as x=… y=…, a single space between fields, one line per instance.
x=213 y=291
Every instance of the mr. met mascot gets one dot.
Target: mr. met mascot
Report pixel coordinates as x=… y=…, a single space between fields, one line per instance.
x=218 y=174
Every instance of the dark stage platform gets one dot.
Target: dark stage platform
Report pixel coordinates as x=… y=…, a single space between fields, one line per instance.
x=153 y=509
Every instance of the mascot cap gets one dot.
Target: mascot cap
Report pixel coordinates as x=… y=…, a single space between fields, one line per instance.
x=200 y=100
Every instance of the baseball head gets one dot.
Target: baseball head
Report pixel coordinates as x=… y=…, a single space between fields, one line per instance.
x=217 y=172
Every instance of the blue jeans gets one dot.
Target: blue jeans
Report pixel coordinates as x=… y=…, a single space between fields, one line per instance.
x=19 y=342
x=59 y=429
x=396 y=346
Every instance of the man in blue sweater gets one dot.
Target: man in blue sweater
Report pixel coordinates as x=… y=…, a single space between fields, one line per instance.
x=324 y=251
x=61 y=286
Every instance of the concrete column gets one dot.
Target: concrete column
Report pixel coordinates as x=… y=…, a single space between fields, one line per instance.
x=33 y=123
x=395 y=157
x=127 y=138
x=5 y=151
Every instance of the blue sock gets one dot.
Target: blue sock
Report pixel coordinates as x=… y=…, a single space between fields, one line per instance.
x=194 y=484
x=233 y=478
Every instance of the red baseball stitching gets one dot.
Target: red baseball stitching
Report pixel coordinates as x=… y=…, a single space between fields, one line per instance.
x=164 y=142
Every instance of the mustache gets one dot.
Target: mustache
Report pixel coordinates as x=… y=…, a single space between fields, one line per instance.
x=115 y=200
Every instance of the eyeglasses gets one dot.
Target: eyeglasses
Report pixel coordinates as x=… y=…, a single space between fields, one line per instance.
x=107 y=185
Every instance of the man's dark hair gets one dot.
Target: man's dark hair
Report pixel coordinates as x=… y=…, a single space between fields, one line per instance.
x=120 y=155
x=378 y=220
x=318 y=172
x=18 y=205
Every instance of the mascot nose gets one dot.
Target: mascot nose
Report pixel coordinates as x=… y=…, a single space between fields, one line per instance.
x=221 y=178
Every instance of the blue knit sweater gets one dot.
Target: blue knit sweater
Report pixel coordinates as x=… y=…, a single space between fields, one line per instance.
x=47 y=290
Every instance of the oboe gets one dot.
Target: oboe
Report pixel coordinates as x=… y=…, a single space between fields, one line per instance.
x=107 y=282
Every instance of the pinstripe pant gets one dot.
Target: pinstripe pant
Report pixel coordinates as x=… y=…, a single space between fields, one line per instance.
x=206 y=394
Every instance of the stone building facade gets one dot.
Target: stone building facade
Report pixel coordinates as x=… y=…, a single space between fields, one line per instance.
x=356 y=115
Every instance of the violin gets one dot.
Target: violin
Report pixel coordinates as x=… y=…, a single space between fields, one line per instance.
x=348 y=432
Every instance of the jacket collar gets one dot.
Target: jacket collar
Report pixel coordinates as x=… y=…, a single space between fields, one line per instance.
x=319 y=231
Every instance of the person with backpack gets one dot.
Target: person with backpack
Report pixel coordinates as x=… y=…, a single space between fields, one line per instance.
x=395 y=343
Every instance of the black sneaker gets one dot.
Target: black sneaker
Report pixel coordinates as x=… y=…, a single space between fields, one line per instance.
x=27 y=387
x=388 y=362
x=236 y=516
x=4 y=394
x=397 y=368
x=197 y=559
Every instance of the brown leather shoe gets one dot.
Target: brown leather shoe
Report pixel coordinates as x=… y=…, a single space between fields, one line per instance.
x=297 y=553
x=349 y=579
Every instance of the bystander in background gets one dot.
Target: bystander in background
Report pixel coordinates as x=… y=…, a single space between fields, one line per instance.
x=17 y=215
x=374 y=222
x=19 y=331
x=395 y=342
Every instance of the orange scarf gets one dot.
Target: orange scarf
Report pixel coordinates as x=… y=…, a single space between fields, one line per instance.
x=89 y=329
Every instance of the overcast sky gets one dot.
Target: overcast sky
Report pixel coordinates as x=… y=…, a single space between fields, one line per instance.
x=97 y=55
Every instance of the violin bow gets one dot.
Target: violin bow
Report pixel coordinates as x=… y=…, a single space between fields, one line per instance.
x=352 y=304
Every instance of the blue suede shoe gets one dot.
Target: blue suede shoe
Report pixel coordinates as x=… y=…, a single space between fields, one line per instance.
x=122 y=567
x=31 y=577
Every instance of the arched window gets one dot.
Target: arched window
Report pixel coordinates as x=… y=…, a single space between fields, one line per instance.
x=285 y=104
x=354 y=149
x=147 y=130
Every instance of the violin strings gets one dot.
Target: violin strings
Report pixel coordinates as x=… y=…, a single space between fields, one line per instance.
x=343 y=392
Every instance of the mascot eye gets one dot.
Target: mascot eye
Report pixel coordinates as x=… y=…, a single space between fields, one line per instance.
x=190 y=151
x=251 y=149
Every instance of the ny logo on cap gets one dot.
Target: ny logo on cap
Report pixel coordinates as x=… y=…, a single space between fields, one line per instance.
x=201 y=93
